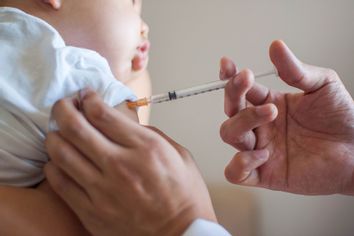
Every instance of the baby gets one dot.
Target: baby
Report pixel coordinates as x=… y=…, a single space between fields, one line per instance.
x=50 y=49
x=38 y=67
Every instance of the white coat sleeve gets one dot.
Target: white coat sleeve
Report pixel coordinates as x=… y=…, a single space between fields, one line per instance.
x=201 y=227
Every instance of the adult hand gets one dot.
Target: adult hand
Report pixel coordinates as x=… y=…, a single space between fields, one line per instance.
x=296 y=142
x=121 y=178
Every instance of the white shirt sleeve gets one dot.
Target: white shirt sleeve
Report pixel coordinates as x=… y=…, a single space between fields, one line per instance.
x=201 y=227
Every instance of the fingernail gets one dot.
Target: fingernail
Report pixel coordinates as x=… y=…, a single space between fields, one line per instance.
x=265 y=110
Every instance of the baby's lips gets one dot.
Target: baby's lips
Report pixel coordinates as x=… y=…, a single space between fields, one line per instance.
x=139 y=62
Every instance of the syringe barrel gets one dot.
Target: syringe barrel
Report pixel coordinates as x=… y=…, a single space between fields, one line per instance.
x=200 y=89
x=160 y=98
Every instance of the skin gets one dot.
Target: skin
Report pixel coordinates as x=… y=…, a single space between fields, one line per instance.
x=279 y=145
x=126 y=48
x=294 y=142
x=121 y=178
x=36 y=212
x=119 y=35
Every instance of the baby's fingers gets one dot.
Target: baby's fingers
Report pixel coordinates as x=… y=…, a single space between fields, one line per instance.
x=242 y=169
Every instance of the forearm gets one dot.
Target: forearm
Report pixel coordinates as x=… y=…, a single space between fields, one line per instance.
x=35 y=212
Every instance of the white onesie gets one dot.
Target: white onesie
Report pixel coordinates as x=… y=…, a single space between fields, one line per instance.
x=36 y=70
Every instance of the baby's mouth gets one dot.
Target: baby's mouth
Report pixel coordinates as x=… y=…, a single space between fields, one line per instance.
x=140 y=60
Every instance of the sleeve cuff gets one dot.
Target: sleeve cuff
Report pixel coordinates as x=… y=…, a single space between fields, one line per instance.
x=201 y=227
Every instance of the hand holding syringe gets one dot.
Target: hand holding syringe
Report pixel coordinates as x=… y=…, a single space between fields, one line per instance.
x=182 y=93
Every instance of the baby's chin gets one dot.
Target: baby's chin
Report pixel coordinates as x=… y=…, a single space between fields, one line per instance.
x=131 y=72
x=140 y=62
x=139 y=65
x=136 y=74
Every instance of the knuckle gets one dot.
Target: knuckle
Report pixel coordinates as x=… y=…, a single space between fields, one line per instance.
x=60 y=104
x=239 y=140
x=224 y=132
x=97 y=110
x=248 y=78
x=58 y=108
x=332 y=74
x=109 y=159
x=72 y=125
x=153 y=147
x=151 y=140
x=231 y=137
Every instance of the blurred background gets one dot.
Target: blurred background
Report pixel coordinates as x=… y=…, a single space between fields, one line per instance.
x=189 y=37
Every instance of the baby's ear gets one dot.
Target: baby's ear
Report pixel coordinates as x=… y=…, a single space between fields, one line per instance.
x=56 y=4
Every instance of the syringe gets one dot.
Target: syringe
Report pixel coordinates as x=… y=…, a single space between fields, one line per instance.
x=182 y=93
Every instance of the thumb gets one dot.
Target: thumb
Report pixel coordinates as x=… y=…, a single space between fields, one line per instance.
x=294 y=72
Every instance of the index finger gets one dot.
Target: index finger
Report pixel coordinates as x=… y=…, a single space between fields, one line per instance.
x=75 y=129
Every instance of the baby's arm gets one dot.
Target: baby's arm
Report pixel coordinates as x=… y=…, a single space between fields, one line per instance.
x=131 y=113
x=142 y=88
x=39 y=211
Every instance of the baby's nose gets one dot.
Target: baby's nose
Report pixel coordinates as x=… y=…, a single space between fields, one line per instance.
x=144 y=30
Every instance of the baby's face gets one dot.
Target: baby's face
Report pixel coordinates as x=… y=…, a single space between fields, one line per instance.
x=113 y=28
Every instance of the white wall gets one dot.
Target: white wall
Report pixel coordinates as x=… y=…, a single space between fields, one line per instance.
x=188 y=38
